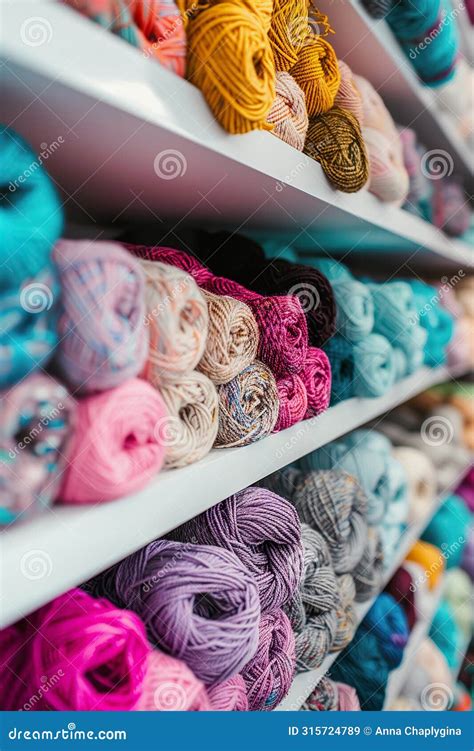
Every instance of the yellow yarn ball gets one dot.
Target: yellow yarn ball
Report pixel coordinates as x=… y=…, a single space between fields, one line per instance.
x=288 y=31
x=317 y=73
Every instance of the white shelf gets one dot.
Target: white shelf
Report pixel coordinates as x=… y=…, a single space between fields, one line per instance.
x=304 y=683
x=116 y=111
x=72 y=544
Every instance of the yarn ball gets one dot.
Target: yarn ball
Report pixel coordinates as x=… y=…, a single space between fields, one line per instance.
x=288 y=114
x=288 y=31
x=466 y=490
x=316 y=71
x=248 y=407
x=450 y=209
x=313 y=608
x=378 y=8
x=420 y=189
x=199 y=603
x=189 y=428
x=364 y=368
x=333 y=503
x=376 y=650
x=116 y=446
x=99 y=651
x=263 y=531
x=232 y=340
x=31 y=217
x=316 y=377
x=368 y=572
x=348 y=96
x=229 y=696
x=153 y=26
x=230 y=59
x=103 y=340
x=28 y=323
x=388 y=178
x=430 y=559
x=458 y=593
x=421 y=476
x=170 y=686
x=38 y=418
x=293 y=402
x=177 y=318
x=269 y=673
x=436 y=320
x=402 y=587
x=334 y=139
x=348 y=699
x=467 y=562
x=346 y=615
x=429 y=667
x=445 y=633
x=449 y=530
x=323 y=698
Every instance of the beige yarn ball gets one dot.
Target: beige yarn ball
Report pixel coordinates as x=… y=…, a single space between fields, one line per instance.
x=288 y=114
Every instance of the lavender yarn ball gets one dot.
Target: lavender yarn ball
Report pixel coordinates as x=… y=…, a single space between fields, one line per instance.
x=263 y=531
x=199 y=604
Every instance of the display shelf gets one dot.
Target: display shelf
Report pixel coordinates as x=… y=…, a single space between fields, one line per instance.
x=420 y=631
x=127 y=139
x=63 y=547
x=304 y=683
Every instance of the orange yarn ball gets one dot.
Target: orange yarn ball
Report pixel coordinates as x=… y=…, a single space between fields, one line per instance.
x=317 y=73
x=288 y=31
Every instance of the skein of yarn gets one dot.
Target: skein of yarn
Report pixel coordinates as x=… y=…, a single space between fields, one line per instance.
x=436 y=320
x=288 y=31
x=230 y=59
x=346 y=615
x=170 y=686
x=288 y=114
x=232 y=340
x=293 y=402
x=365 y=368
x=263 y=530
x=348 y=96
x=445 y=632
x=334 y=139
x=103 y=339
x=368 y=572
x=98 y=652
x=429 y=667
x=199 y=603
x=36 y=428
x=316 y=377
x=421 y=476
x=448 y=530
x=177 y=318
x=115 y=448
x=348 y=699
x=316 y=71
x=188 y=430
x=430 y=559
x=248 y=407
x=269 y=673
x=323 y=698
x=229 y=696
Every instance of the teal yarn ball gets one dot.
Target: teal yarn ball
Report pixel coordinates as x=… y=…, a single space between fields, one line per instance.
x=31 y=218
x=428 y=34
x=449 y=530
x=436 y=320
x=364 y=368
x=445 y=633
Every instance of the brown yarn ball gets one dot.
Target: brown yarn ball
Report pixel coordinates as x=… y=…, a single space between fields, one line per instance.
x=232 y=339
x=335 y=141
x=288 y=114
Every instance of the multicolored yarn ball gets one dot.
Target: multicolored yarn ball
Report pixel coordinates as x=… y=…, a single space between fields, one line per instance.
x=31 y=217
x=368 y=572
x=153 y=26
x=428 y=35
x=230 y=59
x=263 y=530
x=348 y=96
x=316 y=71
x=334 y=139
x=314 y=606
x=365 y=368
x=177 y=319
x=288 y=31
x=269 y=673
x=448 y=530
x=288 y=114
x=199 y=603
x=376 y=650
x=323 y=698
x=232 y=340
x=293 y=402
x=116 y=447
x=38 y=418
x=189 y=429
x=97 y=652
x=103 y=338
x=316 y=377
x=346 y=614
x=170 y=686
x=229 y=696
x=248 y=407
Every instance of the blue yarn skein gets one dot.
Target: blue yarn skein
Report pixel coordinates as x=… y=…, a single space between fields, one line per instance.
x=428 y=34
x=376 y=650
x=449 y=530
x=364 y=368
x=354 y=304
x=436 y=320
x=445 y=633
x=31 y=218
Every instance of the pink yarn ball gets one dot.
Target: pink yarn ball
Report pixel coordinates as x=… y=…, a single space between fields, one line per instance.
x=268 y=675
x=229 y=696
x=348 y=97
x=316 y=376
x=388 y=178
x=348 y=699
x=116 y=448
x=293 y=402
x=170 y=686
